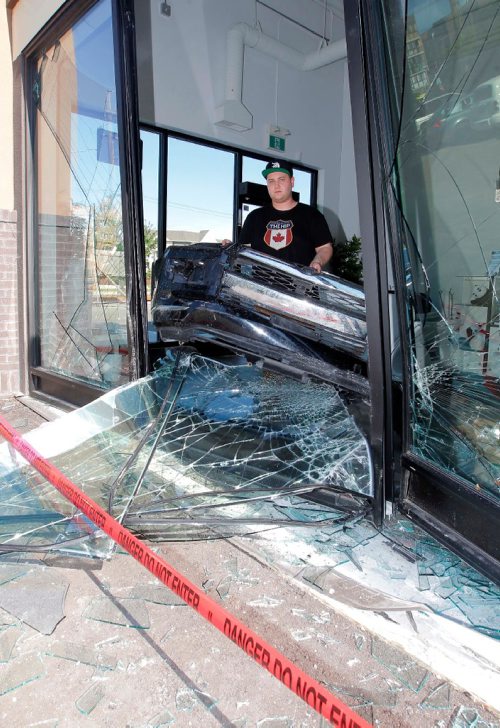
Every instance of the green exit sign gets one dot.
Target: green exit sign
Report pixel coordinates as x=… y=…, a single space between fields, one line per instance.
x=276 y=142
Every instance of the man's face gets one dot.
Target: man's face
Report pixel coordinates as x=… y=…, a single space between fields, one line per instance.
x=279 y=186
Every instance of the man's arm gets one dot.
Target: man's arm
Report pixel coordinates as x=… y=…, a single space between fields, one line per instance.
x=246 y=232
x=323 y=255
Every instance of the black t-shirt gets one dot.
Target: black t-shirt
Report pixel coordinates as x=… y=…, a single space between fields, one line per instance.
x=290 y=235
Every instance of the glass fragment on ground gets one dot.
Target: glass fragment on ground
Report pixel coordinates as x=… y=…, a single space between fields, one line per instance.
x=90 y=699
x=122 y=612
x=19 y=672
x=238 y=454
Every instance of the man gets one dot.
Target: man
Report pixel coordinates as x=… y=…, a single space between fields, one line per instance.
x=286 y=229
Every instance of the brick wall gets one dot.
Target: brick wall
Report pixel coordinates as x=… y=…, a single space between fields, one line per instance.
x=9 y=304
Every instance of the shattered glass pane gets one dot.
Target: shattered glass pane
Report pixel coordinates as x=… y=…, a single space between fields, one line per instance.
x=176 y=461
x=199 y=449
x=445 y=180
x=80 y=258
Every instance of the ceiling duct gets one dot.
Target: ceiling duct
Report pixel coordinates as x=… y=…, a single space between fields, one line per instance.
x=233 y=113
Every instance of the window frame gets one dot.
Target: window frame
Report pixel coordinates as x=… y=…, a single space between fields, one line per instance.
x=239 y=153
x=464 y=519
x=47 y=384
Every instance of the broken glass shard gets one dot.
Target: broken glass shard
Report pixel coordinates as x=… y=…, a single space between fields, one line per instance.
x=78 y=652
x=409 y=672
x=466 y=717
x=124 y=612
x=159 y=720
x=157 y=595
x=19 y=672
x=35 y=601
x=90 y=699
x=438 y=697
x=8 y=638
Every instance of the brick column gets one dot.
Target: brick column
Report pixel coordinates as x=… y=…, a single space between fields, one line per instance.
x=9 y=298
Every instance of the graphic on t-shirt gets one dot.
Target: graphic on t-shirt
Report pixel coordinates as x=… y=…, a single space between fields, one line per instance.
x=278 y=234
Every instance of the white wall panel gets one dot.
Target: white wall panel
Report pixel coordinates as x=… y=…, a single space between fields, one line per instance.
x=188 y=61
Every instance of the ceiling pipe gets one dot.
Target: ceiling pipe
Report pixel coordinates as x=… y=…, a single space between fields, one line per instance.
x=233 y=113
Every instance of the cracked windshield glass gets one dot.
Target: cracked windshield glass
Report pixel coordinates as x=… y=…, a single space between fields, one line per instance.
x=446 y=183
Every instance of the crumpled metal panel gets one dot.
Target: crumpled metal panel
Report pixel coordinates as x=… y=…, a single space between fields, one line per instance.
x=287 y=315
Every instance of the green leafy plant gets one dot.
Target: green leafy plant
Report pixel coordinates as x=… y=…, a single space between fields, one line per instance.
x=347 y=261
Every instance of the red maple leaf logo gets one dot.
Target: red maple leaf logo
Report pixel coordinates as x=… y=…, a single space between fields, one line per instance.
x=278 y=238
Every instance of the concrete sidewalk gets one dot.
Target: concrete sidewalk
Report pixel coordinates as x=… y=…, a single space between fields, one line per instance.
x=102 y=643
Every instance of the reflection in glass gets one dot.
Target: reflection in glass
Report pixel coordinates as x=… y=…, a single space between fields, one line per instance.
x=80 y=260
x=150 y=205
x=150 y=185
x=445 y=180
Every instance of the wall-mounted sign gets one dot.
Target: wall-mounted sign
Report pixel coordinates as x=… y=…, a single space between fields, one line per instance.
x=276 y=142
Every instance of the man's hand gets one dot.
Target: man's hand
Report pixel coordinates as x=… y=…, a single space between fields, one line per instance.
x=226 y=241
x=323 y=255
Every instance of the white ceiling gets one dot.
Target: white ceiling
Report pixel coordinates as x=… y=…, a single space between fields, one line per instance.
x=318 y=16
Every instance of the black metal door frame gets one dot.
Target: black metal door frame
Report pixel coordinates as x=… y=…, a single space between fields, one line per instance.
x=375 y=264
x=43 y=382
x=130 y=166
x=441 y=503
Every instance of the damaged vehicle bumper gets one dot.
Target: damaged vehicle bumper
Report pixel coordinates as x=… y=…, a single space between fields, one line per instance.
x=290 y=317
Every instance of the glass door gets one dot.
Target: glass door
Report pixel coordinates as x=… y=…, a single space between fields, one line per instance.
x=83 y=276
x=440 y=168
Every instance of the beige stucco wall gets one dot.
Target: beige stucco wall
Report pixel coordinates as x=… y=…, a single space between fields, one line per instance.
x=28 y=16
x=6 y=126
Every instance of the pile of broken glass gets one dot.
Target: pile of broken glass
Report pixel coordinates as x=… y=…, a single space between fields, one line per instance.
x=237 y=445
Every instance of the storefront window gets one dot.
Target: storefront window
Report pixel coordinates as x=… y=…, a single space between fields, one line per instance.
x=199 y=193
x=80 y=314
x=444 y=181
